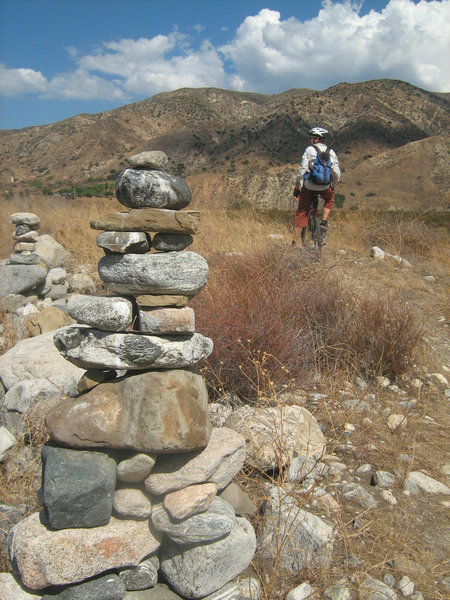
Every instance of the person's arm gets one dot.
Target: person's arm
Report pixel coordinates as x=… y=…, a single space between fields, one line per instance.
x=335 y=169
x=304 y=167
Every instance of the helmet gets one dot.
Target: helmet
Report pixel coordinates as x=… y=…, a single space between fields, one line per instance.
x=318 y=131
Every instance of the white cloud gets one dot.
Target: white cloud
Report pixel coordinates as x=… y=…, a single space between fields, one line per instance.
x=17 y=82
x=405 y=41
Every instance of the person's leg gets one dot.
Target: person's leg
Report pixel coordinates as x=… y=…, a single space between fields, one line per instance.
x=301 y=216
x=328 y=197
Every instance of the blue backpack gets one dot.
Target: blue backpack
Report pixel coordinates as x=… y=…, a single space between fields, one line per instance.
x=321 y=169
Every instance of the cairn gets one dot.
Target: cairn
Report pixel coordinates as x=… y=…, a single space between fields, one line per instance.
x=134 y=476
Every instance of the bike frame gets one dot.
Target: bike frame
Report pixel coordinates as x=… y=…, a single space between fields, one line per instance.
x=314 y=224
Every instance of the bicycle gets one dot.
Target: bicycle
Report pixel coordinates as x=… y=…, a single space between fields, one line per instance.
x=314 y=225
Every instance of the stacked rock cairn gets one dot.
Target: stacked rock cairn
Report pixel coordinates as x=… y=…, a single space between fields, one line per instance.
x=134 y=476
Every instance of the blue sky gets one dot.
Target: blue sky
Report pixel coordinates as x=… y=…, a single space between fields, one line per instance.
x=59 y=58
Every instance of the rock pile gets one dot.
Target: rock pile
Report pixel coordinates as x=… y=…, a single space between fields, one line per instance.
x=133 y=474
x=34 y=268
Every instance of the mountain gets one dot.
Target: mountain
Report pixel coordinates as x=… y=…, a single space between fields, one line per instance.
x=391 y=137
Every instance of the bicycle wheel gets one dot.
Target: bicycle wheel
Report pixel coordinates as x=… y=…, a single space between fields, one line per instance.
x=316 y=233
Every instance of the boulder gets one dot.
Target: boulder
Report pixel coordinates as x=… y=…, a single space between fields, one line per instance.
x=274 y=435
x=88 y=347
x=38 y=358
x=214 y=523
x=16 y=279
x=45 y=557
x=23 y=218
x=218 y=463
x=156 y=411
x=192 y=571
x=107 y=313
x=180 y=273
x=150 y=219
x=143 y=188
x=77 y=487
x=124 y=242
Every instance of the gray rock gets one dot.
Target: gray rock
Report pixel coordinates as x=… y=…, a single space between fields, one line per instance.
x=377 y=253
x=230 y=591
x=80 y=283
x=383 y=479
x=337 y=592
x=171 y=242
x=160 y=592
x=45 y=557
x=182 y=273
x=298 y=538
x=38 y=358
x=144 y=576
x=304 y=591
x=212 y=524
x=250 y=588
x=156 y=411
x=150 y=159
x=23 y=395
x=21 y=229
x=106 y=587
x=7 y=442
x=88 y=347
x=12 y=302
x=142 y=188
x=24 y=218
x=357 y=493
x=136 y=468
x=53 y=254
x=373 y=589
x=15 y=279
x=219 y=462
x=166 y=321
x=233 y=553
x=12 y=589
x=238 y=499
x=417 y=481
x=124 y=242
x=78 y=487
x=102 y=312
x=9 y=516
x=56 y=292
x=132 y=503
x=26 y=236
x=24 y=259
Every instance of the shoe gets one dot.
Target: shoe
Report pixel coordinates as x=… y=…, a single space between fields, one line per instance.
x=293 y=243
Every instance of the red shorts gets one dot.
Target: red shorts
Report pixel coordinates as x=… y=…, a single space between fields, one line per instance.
x=304 y=202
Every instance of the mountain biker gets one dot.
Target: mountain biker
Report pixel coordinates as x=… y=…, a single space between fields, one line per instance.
x=305 y=187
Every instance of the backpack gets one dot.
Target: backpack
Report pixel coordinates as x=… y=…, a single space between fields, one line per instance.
x=321 y=169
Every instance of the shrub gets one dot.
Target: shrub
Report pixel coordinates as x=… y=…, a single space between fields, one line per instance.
x=269 y=313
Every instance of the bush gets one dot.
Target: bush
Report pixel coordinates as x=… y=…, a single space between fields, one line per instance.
x=266 y=313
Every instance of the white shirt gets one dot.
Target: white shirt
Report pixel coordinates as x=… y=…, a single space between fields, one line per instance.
x=307 y=162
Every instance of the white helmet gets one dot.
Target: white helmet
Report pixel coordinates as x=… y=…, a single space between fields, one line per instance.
x=318 y=131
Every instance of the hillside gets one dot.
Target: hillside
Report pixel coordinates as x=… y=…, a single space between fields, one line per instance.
x=235 y=146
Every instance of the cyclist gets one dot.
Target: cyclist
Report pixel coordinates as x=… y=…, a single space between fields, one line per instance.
x=305 y=187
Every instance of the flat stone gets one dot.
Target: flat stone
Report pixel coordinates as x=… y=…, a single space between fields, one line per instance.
x=160 y=592
x=156 y=411
x=274 y=434
x=27 y=236
x=15 y=279
x=24 y=259
x=214 y=523
x=218 y=463
x=45 y=557
x=124 y=242
x=150 y=219
x=171 y=242
x=143 y=188
x=106 y=587
x=180 y=564
x=24 y=247
x=78 y=487
x=136 y=468
x=24 y=218
x=238 y=499
x=152 y=300
x=132 y=503
x=180 y=273
x=190 y=500
x=166 y=321
x=150 y=159
x=102 y=312
x=87 y=348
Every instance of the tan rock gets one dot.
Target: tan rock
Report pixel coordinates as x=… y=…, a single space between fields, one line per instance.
x=136 y=468
x=153 y=300
x=156 y=411
x=150 y=219
x=167 y=321
x=46 y=557
x=49 y=319
x=132 y=503
x=190 y=500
